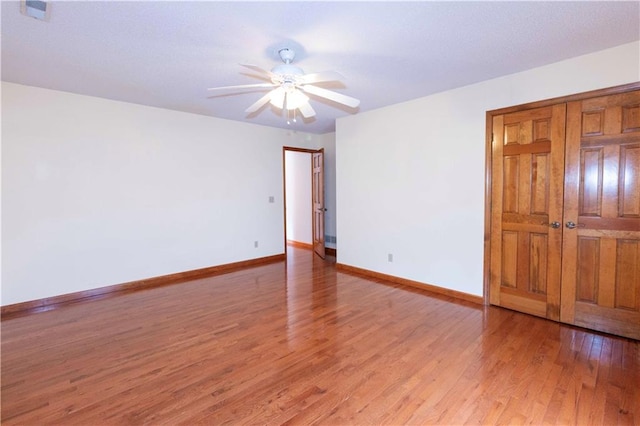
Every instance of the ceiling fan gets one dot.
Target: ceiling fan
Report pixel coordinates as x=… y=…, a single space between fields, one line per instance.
x=288 y=85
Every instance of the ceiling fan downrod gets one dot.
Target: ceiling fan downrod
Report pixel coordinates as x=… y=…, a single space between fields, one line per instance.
x=286 y=55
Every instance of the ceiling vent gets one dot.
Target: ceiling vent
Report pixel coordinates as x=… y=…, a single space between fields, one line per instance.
x=36 y=9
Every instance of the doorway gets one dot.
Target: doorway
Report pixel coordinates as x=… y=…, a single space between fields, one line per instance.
x=303 y=171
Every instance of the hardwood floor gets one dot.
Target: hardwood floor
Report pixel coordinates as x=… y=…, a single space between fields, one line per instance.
x=299 y=343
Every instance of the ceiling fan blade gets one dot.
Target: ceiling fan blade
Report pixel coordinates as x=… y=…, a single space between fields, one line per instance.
x=259 y=103
x=258 y=76
x=331 y=95
x=321 y=76
x=306 y=110
x=243 y=86
x=258 y=69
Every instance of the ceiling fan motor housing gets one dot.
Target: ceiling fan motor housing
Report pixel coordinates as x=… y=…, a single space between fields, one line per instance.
x=286 y=70
x=286 y=73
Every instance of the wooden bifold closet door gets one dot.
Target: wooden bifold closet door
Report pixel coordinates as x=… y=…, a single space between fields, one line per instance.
x=565 y=212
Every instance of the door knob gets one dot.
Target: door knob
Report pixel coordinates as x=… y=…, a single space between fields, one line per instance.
x=555 y=225
x=572 y=225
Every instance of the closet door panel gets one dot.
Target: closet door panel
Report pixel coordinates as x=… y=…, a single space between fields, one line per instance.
x=527 y=171
x=601 y=241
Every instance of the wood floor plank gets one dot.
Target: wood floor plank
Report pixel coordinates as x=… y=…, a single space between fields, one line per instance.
x=299 y=343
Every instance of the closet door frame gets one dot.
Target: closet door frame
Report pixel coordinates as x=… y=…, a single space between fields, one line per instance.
x=488 y=145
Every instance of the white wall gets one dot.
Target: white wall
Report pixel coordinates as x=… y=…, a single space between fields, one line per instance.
x=97 y=192
x=298 y=184
x=411 y=176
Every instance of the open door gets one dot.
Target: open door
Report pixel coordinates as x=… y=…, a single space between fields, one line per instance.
x=317 y=195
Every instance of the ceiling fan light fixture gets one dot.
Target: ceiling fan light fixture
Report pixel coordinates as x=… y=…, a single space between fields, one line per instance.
x=276 y=98
x=295 y=99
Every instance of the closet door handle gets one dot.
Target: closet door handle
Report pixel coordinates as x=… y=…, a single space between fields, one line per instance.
x=555 y=225
x=572 y=225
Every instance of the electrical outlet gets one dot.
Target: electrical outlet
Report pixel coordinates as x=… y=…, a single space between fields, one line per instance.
x=390 y=257
x=272 y=198
x=255 y=244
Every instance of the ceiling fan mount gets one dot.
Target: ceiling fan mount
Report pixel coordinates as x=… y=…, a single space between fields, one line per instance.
x=288 y=82
x=287 y=55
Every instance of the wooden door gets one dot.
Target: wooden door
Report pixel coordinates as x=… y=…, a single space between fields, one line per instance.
x=601 y=252
x=317 y=195
x=526 y=196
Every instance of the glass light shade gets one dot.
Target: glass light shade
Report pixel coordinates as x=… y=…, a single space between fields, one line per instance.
x=277 y=97
x=295 y=98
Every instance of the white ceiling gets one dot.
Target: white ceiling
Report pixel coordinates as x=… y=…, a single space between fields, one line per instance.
x=167 y=53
